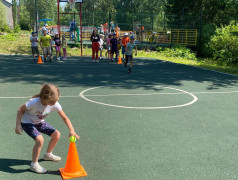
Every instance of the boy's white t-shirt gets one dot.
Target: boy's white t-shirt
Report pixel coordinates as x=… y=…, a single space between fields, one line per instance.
x=36 y=112
x=101 y=42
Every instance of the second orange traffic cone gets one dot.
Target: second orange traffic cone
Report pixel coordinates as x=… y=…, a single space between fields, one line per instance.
x=72 y=168
x=119 y=60
x=39 y=60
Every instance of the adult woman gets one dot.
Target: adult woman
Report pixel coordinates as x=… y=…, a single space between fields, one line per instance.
x=95 y=45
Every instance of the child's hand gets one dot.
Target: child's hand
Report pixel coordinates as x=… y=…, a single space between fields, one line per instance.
x=73 y=133
x=18 y=130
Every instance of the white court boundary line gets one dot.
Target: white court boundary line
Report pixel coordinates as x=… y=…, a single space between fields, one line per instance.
x=81 y=94
x=228 y=92
x=77 y=96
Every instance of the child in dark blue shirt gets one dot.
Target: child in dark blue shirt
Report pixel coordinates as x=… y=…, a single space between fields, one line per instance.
x=113 y=43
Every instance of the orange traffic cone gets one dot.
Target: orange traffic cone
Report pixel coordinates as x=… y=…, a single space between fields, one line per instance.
x=72 y=168
x=119 y=60
x=39 y=60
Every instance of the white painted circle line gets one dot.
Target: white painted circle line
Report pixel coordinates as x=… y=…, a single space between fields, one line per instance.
x=81 y=94
x=102 y=95
x=77 y=96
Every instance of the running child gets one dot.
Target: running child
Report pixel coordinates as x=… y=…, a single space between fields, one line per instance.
x=64 y=47
x=57 y=46
x=113 y=44
x=124 y=41
x=129 y=53
x=30 y=118
x=101 y=44
x=34 y=45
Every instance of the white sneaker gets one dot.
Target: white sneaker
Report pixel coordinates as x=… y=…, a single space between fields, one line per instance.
x=36 y=167
x=51 y=157
x=97 y=61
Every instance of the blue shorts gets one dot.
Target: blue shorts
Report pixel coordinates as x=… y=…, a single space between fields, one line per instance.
x=114 y=51
x=129 y=57
x=34 y=130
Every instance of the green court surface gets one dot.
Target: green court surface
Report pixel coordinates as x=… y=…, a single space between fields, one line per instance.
x=164 y=121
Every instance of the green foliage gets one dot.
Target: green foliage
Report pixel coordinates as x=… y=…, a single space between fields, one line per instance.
x=224 y=43
x=47 y=9
x=5 y=28
x=25 y=20
x=17 y=28
x=207 y=32
x=14 y=12
x=10 y=37
x=178 y=52
x=2 y=16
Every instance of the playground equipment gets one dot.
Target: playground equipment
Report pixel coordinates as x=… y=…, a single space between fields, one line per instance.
x=44 y=20
x=173 y=36
x=72 y=4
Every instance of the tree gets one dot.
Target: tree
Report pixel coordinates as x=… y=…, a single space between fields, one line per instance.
x=46 y=9
x=2 y=16
x=14 y=12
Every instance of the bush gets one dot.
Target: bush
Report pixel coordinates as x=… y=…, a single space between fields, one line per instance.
x=224 y=44
x=9 y=37
x=208 y=31
x=178 y=52
x=5 y=28
x=17 y=28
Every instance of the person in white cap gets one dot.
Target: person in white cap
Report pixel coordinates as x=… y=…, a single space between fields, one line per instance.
x=124 y=42
x=44 y=29
x=112 y=27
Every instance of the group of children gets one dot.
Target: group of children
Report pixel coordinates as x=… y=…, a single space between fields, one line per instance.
x=115 y=45
x=48 y=44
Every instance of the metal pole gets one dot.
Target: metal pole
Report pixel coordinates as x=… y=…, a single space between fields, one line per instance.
x=182 y=19
x=200 y=32
x=81 y=32
x=109 y=23
x=36 y=18
x=74 y=27
x=58 y=3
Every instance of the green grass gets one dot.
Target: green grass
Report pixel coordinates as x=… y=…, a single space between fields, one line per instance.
x=21 y=45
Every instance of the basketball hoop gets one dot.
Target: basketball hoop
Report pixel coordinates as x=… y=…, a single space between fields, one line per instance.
x=71 y=4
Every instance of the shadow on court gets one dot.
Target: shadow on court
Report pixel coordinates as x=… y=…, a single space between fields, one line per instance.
x=9 y=165
x=13 y=166
x=80 y=71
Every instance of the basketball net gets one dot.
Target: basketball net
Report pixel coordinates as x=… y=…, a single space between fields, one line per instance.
x=71 y=4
